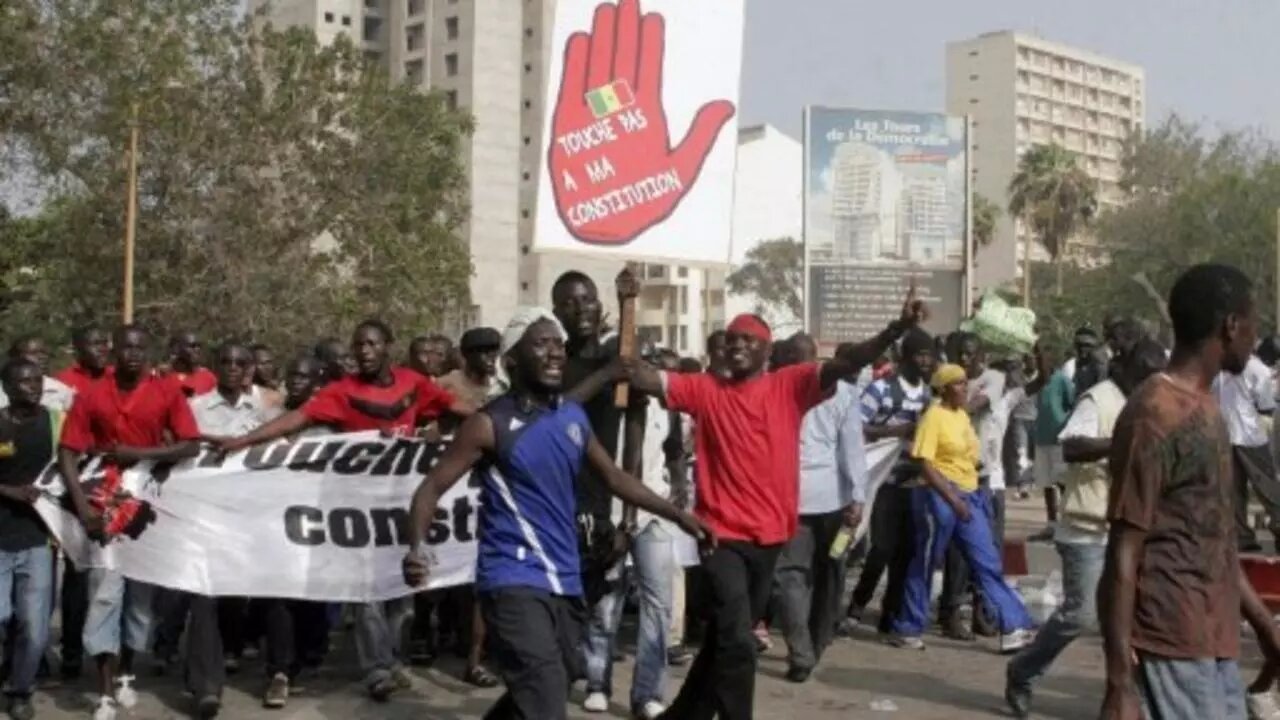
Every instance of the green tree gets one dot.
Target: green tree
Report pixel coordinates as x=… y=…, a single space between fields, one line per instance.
x=985 y=215
x=1054 y=198
x=774 y=273
x=285 y=188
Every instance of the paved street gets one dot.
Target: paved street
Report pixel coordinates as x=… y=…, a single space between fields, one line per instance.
x=949 y=681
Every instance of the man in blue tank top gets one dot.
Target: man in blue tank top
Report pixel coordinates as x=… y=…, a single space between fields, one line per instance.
x=527 y=447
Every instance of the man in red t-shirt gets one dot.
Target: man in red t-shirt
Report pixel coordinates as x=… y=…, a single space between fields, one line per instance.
x=92 y=346
x=186 y=355
x=129 y=415
x=747 y=435
x=377 y=397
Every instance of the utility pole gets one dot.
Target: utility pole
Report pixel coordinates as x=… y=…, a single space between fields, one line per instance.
x=131 y=215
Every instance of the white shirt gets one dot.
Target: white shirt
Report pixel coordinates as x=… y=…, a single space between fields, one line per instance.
x=1084 y=422
x=990 y=430
x=56 y=395
x=833 y=461
x=654 y=474
x=1002 y=410
x=1244 y=398
x=217 y=417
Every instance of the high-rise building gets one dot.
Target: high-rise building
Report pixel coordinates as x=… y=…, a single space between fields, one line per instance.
x=864 y=197
x=491 y=57
x=1020 y=90
x=923 y=219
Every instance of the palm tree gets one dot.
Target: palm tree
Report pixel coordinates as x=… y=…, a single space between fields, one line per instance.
x=1054 y=197
x=985 y=214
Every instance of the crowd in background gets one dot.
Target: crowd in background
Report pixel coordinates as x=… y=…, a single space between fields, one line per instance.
x=762 y=456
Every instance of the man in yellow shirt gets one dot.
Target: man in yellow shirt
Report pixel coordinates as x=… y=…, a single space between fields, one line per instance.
x=950 y=507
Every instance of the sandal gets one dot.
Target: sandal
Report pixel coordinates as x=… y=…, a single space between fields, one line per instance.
x=480 y=677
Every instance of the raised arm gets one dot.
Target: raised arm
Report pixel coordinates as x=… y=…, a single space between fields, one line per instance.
x=469 y=444
x=851 y=358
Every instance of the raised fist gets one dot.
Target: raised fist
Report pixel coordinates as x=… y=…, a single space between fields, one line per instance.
x=614 y=171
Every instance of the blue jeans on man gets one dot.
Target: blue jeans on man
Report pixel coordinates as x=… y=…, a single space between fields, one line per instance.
x=1081 y=569
x=26 y=595
x=937 y=527
x=654 y=567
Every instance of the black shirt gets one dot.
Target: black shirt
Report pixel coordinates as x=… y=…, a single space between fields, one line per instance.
x=593 y=496
x=20 y=526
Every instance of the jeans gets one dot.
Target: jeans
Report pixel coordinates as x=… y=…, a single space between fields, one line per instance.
x=937 y=528
x=26 y=595
x=378 y=637
x=654 y=558
x=119 y=610
x=1081 y=569
x=722 y=680
x=1177 y=689
x=807 y=588
x=1254 y=468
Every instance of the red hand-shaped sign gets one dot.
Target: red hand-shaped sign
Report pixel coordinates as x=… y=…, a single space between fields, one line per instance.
x=613 y=169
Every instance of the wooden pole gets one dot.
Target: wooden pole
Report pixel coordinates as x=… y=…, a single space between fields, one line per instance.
x=131 y=216
x=627 y=292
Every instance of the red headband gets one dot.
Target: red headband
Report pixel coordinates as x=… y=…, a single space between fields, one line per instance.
x=747 y=324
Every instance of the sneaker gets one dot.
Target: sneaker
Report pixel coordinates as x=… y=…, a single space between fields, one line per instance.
x=905 y=642
x=1013 y=642
x=596 y=702
x=798 y=675
x=251 y=651
x=958 y=627
x=401 y=679
x=650 y=711
x=277 y=694
x=208 y=707
x=106 y=709
x=20 y=708
x=126 y=696
x=678 y=655
x=1018 y=697
x=232 y=664
x=1262 y=706
x=380 y=690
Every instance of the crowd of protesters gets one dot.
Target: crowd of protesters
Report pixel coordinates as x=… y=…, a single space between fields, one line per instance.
x=1147 y=460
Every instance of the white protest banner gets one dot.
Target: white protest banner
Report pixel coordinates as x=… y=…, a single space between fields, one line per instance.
x=882 y=456
x=319 y=518
x=639 y=147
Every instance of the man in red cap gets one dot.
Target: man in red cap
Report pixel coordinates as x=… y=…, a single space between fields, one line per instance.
x=747 y=485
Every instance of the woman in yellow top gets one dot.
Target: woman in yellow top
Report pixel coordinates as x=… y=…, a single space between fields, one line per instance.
x=951 y=508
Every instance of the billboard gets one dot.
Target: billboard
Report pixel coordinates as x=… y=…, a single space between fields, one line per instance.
x=638 y=140
x=886 y=200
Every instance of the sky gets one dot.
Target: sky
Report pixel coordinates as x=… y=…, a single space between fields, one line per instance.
x=1212 y=61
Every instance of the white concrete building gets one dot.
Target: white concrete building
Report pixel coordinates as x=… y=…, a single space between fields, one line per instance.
x=1021 y=90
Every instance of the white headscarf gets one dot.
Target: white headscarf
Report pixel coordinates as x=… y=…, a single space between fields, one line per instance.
x=522 y=320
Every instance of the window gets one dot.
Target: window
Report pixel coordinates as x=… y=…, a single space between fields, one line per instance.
x=451 y=64
x=973 y=77
x=372 y=29
x=528 y=103
x=528 y=32
x=524 y=285
x=524 y=249
x=682 y=271
x=451 y=28
x=451 y=99
x=346 y=21
x=525 y=175
x=656 y=272
x=528 y=68
x=973 y=101
x=414 y=70
x=673 y=332
x=328 y=17
x=416 y=7
x=525 y=213
x=415 y=37
x=684 y=337
x=528 y=140
x=684 y=299
x=973 y=53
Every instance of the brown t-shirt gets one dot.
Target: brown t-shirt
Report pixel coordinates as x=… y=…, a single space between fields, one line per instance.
x=1171 y=476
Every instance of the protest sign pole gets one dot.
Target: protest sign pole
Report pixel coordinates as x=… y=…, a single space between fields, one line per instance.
x=130 y=216
x=627 y=291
